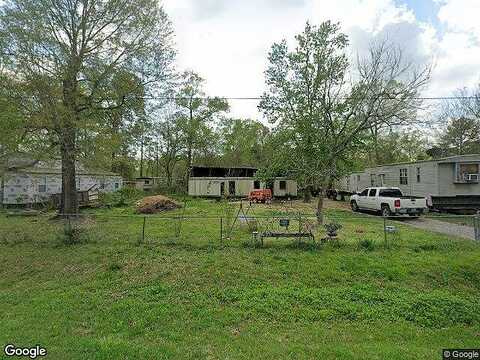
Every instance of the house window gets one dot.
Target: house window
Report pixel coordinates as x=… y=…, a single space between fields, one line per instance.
x=358 y=178
x=147 y=182
x=467 y=173
x=419 y=178
x=403 y=176
x=117 y=185
x=42 y=186
x=283 y=185
x=372 y=179
x=381 y=179
x=231 y=187
x=78 y=183
x=102 y=184
x=256 y=185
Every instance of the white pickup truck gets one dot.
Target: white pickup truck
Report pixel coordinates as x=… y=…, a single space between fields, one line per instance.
x=389 y=201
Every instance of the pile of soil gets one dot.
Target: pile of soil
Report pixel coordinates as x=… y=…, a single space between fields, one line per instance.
x=155 y=204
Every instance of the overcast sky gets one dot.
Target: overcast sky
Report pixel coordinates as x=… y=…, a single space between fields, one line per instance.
x=227 y=41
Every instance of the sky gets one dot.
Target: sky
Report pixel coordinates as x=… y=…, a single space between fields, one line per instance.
x=227 y=41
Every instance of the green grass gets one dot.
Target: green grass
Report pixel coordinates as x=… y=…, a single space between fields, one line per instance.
x=194 y=297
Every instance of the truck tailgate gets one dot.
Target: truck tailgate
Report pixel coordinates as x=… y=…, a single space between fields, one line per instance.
x=413 y=203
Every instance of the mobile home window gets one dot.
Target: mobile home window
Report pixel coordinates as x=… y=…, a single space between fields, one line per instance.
x=283 y=185
x=372 y=179
x=381 y=179
x=403 y=176
x=419 y=178
x=42 y=186
x=256 y=185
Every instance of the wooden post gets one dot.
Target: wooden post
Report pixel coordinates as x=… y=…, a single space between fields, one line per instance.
x=476 y=226
x=385 y=229
x=143 y=229
x=221 y=229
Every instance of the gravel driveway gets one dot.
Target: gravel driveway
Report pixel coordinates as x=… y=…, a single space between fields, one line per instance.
x=442 y=227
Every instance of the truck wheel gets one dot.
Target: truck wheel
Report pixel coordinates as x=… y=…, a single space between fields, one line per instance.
x=354 y=206
x=386 y=211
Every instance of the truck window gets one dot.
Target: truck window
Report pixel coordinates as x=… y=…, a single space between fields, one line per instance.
x=364 y=192
x=372 y=193
x=391 y=193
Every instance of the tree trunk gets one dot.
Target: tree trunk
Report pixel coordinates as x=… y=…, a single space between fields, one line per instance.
x=69 y=201
x=68 y=138
x=189 y=163
x=307 y=195
x=141 y=158
x=320 y=207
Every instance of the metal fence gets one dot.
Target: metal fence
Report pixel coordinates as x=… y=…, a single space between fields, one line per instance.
x=236 y=227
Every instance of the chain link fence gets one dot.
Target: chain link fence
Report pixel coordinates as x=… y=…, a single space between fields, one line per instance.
x=236 y=226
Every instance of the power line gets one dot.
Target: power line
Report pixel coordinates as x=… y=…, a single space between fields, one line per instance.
x=427 y=98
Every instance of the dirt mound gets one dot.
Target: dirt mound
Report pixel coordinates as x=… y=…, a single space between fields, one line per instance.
x=155 y=204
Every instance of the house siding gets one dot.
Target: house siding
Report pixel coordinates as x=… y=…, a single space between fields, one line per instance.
x=448 y=187
x=23 y=188
x=205 y=186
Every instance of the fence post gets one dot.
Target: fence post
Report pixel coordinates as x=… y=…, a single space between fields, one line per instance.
x=385 y=229
x=143 y=229
x=221 y=229
x=476 y=226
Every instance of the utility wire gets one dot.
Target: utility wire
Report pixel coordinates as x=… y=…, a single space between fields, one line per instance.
x=344 y=97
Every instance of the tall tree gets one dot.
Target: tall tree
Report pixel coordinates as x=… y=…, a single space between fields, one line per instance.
x=70 y=50
x=197 y=112
x=461 y=136
x=170 y=140
x=460 y=117
x=325 y=116
x=242 y=141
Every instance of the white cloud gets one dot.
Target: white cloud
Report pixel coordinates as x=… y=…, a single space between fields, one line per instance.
x=227 y=41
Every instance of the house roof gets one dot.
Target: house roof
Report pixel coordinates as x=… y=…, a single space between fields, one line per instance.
x=445 y=160
x=23 y=163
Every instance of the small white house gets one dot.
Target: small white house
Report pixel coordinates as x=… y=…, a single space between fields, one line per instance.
x=26 y=181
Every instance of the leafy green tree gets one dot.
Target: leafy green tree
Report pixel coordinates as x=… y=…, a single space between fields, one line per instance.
x=196 y=116
x=66 y=53
x=311 y=99
x=242 y=142
x=461 y=136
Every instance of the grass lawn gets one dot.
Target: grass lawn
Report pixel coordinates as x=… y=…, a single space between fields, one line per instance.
x=192 y=297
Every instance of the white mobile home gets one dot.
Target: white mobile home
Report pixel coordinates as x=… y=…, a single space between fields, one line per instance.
x=448 y=183
x=26 y=181
x=235 y=182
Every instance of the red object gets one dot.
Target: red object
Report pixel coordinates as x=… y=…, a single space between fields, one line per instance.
x=397 y=203
x=260 y=195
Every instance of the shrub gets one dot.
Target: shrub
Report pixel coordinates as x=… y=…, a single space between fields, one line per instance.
x=122 y=197
x=332 y=228
x=366 y=244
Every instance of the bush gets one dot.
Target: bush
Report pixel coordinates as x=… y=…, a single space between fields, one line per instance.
x=73 y=235
x=123 y=197
x=366 y=244
x=332 y=228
